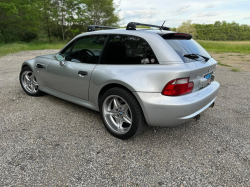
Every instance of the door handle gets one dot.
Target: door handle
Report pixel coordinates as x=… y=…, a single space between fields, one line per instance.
x=40 y=66
x=82 y=73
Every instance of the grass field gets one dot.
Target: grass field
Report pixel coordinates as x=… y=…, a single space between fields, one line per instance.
x=226 y=46
x=211 y=46
x=16 y=47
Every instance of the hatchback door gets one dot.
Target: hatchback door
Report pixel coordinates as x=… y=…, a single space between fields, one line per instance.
x=195 y=57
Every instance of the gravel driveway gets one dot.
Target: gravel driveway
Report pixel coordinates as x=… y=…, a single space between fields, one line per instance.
x=47 y=141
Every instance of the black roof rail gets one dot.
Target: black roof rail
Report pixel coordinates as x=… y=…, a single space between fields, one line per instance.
x=132 y=26
x=93 y=27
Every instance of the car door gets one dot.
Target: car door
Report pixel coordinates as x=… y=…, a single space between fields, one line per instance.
x=73 y=77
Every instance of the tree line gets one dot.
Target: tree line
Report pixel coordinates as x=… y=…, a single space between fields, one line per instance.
x=59 y=20
x=220 y=31
x=52 y=20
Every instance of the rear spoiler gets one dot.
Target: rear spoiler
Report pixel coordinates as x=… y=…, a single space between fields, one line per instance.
x=180 y=36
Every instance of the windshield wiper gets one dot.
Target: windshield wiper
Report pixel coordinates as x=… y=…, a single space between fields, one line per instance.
x=195 y=56
x=206 y=58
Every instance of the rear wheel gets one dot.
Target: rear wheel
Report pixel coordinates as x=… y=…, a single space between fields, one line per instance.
x=121 y=113
x=29 y=83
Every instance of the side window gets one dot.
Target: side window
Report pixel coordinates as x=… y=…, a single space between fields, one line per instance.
x=88 y=49
x=66 y=51
x=124 y=49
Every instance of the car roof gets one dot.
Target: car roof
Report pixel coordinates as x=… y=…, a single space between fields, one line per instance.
x=137 y=32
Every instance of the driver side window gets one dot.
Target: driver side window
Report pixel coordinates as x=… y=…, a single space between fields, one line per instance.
x=88 y=49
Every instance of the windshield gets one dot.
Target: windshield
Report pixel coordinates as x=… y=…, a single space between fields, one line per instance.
x=183 y=47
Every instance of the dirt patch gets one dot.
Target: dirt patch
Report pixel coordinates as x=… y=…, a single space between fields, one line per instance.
x=236 y=60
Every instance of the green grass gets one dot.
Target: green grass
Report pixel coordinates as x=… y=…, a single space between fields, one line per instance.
x=235 y=69
x=226 y=46
x=16 y=47
x=211 y=46
x=222 y=57
x=221 y=64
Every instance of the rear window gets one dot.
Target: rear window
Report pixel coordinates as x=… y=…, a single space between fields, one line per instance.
x=183 y=47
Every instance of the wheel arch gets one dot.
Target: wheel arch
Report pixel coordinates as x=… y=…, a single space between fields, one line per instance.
x=112 y=85
x=109 y=86
x=25 y=64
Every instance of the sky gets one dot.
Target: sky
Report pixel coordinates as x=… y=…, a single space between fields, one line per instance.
x=174 y=12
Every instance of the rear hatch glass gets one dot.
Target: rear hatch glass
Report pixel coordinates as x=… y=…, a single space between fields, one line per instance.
x=184 y=47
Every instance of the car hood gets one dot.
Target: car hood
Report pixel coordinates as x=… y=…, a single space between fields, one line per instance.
x=50 y=56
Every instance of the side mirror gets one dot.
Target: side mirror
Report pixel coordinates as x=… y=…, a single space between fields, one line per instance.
x=60 y=58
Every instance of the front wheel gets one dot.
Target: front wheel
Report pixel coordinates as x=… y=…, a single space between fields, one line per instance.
x=121 y=113
x=29 y=83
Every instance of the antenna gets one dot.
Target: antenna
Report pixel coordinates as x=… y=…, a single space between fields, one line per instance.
x=162 y=25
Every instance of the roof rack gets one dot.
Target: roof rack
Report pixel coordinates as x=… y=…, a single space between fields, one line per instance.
x=93 y=27
x=132 y=26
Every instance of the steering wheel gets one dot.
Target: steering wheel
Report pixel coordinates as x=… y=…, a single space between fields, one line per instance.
x=85 y=54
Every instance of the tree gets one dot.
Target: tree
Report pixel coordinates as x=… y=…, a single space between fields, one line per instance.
x=101 y=12
x=46 y=7
x=18 y=19
x=26 y=19
x=73 y=16
x=187 y=27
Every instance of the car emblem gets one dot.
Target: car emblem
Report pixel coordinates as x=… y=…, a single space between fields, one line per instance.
x=209 y=69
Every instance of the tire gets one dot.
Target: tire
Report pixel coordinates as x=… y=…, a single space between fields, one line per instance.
x=28 y=82
x=121 y=113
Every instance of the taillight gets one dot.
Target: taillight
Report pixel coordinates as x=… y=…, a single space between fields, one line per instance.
x=178 y=87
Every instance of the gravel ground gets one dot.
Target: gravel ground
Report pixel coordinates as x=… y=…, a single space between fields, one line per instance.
x=47 y=141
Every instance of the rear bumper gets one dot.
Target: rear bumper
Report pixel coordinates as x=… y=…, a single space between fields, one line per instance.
x=162 y=110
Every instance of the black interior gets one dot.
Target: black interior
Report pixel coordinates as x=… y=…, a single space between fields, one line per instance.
x=119 y=49
x=122 y=49
x=83 y=55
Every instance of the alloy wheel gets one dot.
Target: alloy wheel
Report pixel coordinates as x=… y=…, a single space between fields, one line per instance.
x=29 y=82
x=117 y=114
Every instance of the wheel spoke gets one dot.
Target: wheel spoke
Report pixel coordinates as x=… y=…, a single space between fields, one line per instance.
x=116 y=103
x=112 y=112
x=35 y=83
x=32 y=87
x=124 y=107
x=32 y=77
x=27 y=78
x=126 y=119
x=119 y=122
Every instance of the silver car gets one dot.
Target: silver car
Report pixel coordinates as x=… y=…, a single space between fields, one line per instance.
x=133 y=77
